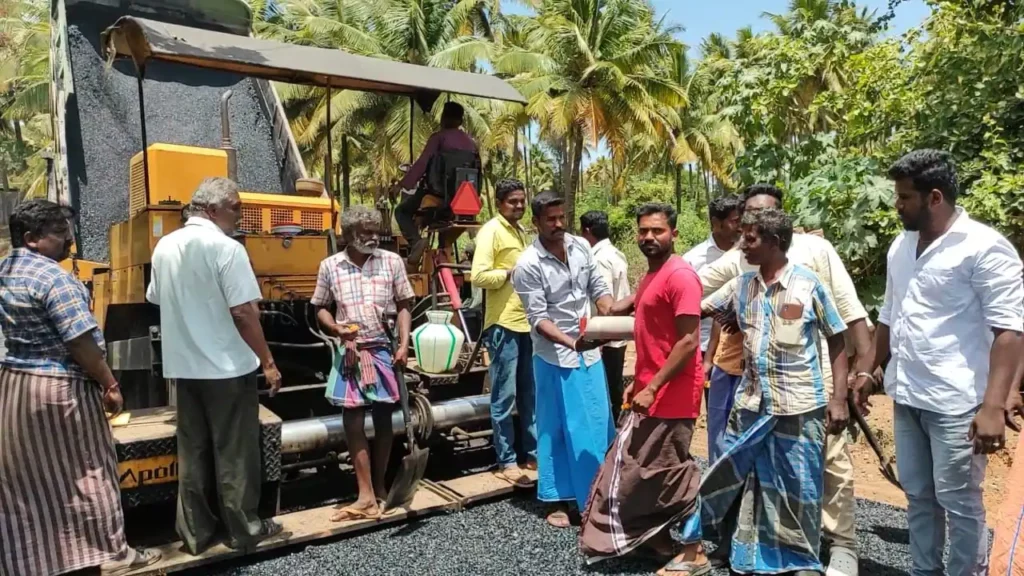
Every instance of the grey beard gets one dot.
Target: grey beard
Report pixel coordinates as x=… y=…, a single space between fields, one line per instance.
x=366 y=248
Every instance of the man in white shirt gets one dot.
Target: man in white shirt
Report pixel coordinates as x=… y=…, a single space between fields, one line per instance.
x=724 y=215
x=612 y=265
x=952 y=320
x=212 y=345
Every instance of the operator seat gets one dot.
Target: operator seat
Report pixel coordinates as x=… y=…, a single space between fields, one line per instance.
x=446 y=171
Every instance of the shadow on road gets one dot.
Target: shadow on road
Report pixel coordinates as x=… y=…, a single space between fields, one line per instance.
x=892 y=535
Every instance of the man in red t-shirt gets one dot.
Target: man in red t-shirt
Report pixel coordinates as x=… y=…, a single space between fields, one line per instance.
x=648 y=482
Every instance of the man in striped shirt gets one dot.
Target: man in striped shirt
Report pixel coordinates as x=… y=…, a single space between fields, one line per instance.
x=773 y=465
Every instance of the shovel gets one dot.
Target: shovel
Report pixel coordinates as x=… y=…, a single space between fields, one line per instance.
x=885 y=467
x=414 y=464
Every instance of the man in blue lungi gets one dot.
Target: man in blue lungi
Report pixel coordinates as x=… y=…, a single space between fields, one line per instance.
x=557 y=278
x=762 y=498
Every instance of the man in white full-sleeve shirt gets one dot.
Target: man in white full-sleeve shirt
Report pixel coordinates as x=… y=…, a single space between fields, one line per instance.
x=612 y=265
x=952 y=320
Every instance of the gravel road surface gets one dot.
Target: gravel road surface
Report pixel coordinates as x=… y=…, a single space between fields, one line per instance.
x=511 y=537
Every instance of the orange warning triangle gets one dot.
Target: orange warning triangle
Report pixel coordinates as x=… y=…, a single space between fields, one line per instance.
x=466 y=201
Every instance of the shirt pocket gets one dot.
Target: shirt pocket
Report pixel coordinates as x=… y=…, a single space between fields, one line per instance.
x=938 y=290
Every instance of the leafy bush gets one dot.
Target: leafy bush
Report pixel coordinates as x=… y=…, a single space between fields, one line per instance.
x=849 y=200
x=692 y=222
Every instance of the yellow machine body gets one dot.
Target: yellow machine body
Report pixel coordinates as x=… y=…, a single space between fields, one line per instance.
x=286 y=267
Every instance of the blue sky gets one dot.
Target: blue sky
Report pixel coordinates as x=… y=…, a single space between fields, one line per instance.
x=701 y=17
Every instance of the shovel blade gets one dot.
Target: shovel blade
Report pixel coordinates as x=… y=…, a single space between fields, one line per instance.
x=410 y=472
x=890 y=475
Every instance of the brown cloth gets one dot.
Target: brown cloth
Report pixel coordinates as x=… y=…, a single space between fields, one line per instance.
x=60 y=508
x=648 y=482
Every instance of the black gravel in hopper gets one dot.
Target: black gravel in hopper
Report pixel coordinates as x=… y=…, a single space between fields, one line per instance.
x=182 y=107
x=511 y=537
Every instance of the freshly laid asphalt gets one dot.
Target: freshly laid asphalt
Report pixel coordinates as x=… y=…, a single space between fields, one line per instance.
x=511 y=537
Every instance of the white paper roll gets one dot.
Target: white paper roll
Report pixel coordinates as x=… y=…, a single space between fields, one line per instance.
x=608 y=328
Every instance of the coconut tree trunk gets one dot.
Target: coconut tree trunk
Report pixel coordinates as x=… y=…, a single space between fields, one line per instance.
x=576 y=147
x=679 y=188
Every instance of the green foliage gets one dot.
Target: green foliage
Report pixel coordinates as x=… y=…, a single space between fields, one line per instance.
x=852 y=204
x=692 y=222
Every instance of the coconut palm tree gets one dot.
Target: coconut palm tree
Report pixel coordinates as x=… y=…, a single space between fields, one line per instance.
x=594 y=70
x=24 y=95
x=444 y=33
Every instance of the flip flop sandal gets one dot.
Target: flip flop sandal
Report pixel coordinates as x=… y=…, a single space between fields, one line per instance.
x=519 y=480
x=556 y=519
x=686 y=567
x=143 y=558
x=350 y=514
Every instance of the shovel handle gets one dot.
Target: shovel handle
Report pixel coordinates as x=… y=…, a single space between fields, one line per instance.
x=868 y=433
x=403 y=388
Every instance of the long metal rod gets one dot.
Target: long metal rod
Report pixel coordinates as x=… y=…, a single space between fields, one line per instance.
x=412 y=125
x=142 y=119
x=346 y=171
x=329 y=432
x=327 y=165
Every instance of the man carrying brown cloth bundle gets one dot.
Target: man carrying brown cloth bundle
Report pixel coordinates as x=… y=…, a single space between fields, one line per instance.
x=648 y=482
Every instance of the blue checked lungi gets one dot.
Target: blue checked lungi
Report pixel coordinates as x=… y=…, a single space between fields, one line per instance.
x=574 y=429
x=774 y=467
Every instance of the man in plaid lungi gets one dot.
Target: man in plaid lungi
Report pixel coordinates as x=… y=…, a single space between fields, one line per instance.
x=773 y=465
x=364 y=283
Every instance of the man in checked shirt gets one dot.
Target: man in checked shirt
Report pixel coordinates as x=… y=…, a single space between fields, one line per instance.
x=817 y=254
x=762 y=500
x=364 y=282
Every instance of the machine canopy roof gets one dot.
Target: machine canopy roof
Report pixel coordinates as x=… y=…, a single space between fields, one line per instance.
x=144 y=40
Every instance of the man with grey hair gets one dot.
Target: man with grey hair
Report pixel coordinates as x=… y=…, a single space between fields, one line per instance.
x=212 y=345
x=365 y=284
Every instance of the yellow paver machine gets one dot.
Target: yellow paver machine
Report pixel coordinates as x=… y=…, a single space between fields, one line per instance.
x=176 y=58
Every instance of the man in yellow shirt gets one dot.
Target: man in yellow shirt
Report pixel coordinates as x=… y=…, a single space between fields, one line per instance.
x=820 y=256
x=506 y=332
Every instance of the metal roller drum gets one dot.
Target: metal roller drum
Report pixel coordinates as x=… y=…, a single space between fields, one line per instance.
x=311 y=434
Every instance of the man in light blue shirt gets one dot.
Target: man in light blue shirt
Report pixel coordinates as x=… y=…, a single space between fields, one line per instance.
x=557 y=278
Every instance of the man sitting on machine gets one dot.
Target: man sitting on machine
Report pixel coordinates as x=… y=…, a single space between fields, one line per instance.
x=450 y=138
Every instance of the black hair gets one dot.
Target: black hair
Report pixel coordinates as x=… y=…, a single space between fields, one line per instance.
x=544 y=200
x=453 y=110
x=720 y=208
x=597 y=222
x=507 y=186
x=928 y=170
x=657 y=208
x=38 y=217
x=760 y=189
x=772 y=223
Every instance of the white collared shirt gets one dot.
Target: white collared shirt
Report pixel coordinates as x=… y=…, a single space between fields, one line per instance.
x=698 y=257
x=198 y=275
x=941 y=308
x=612 y=265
